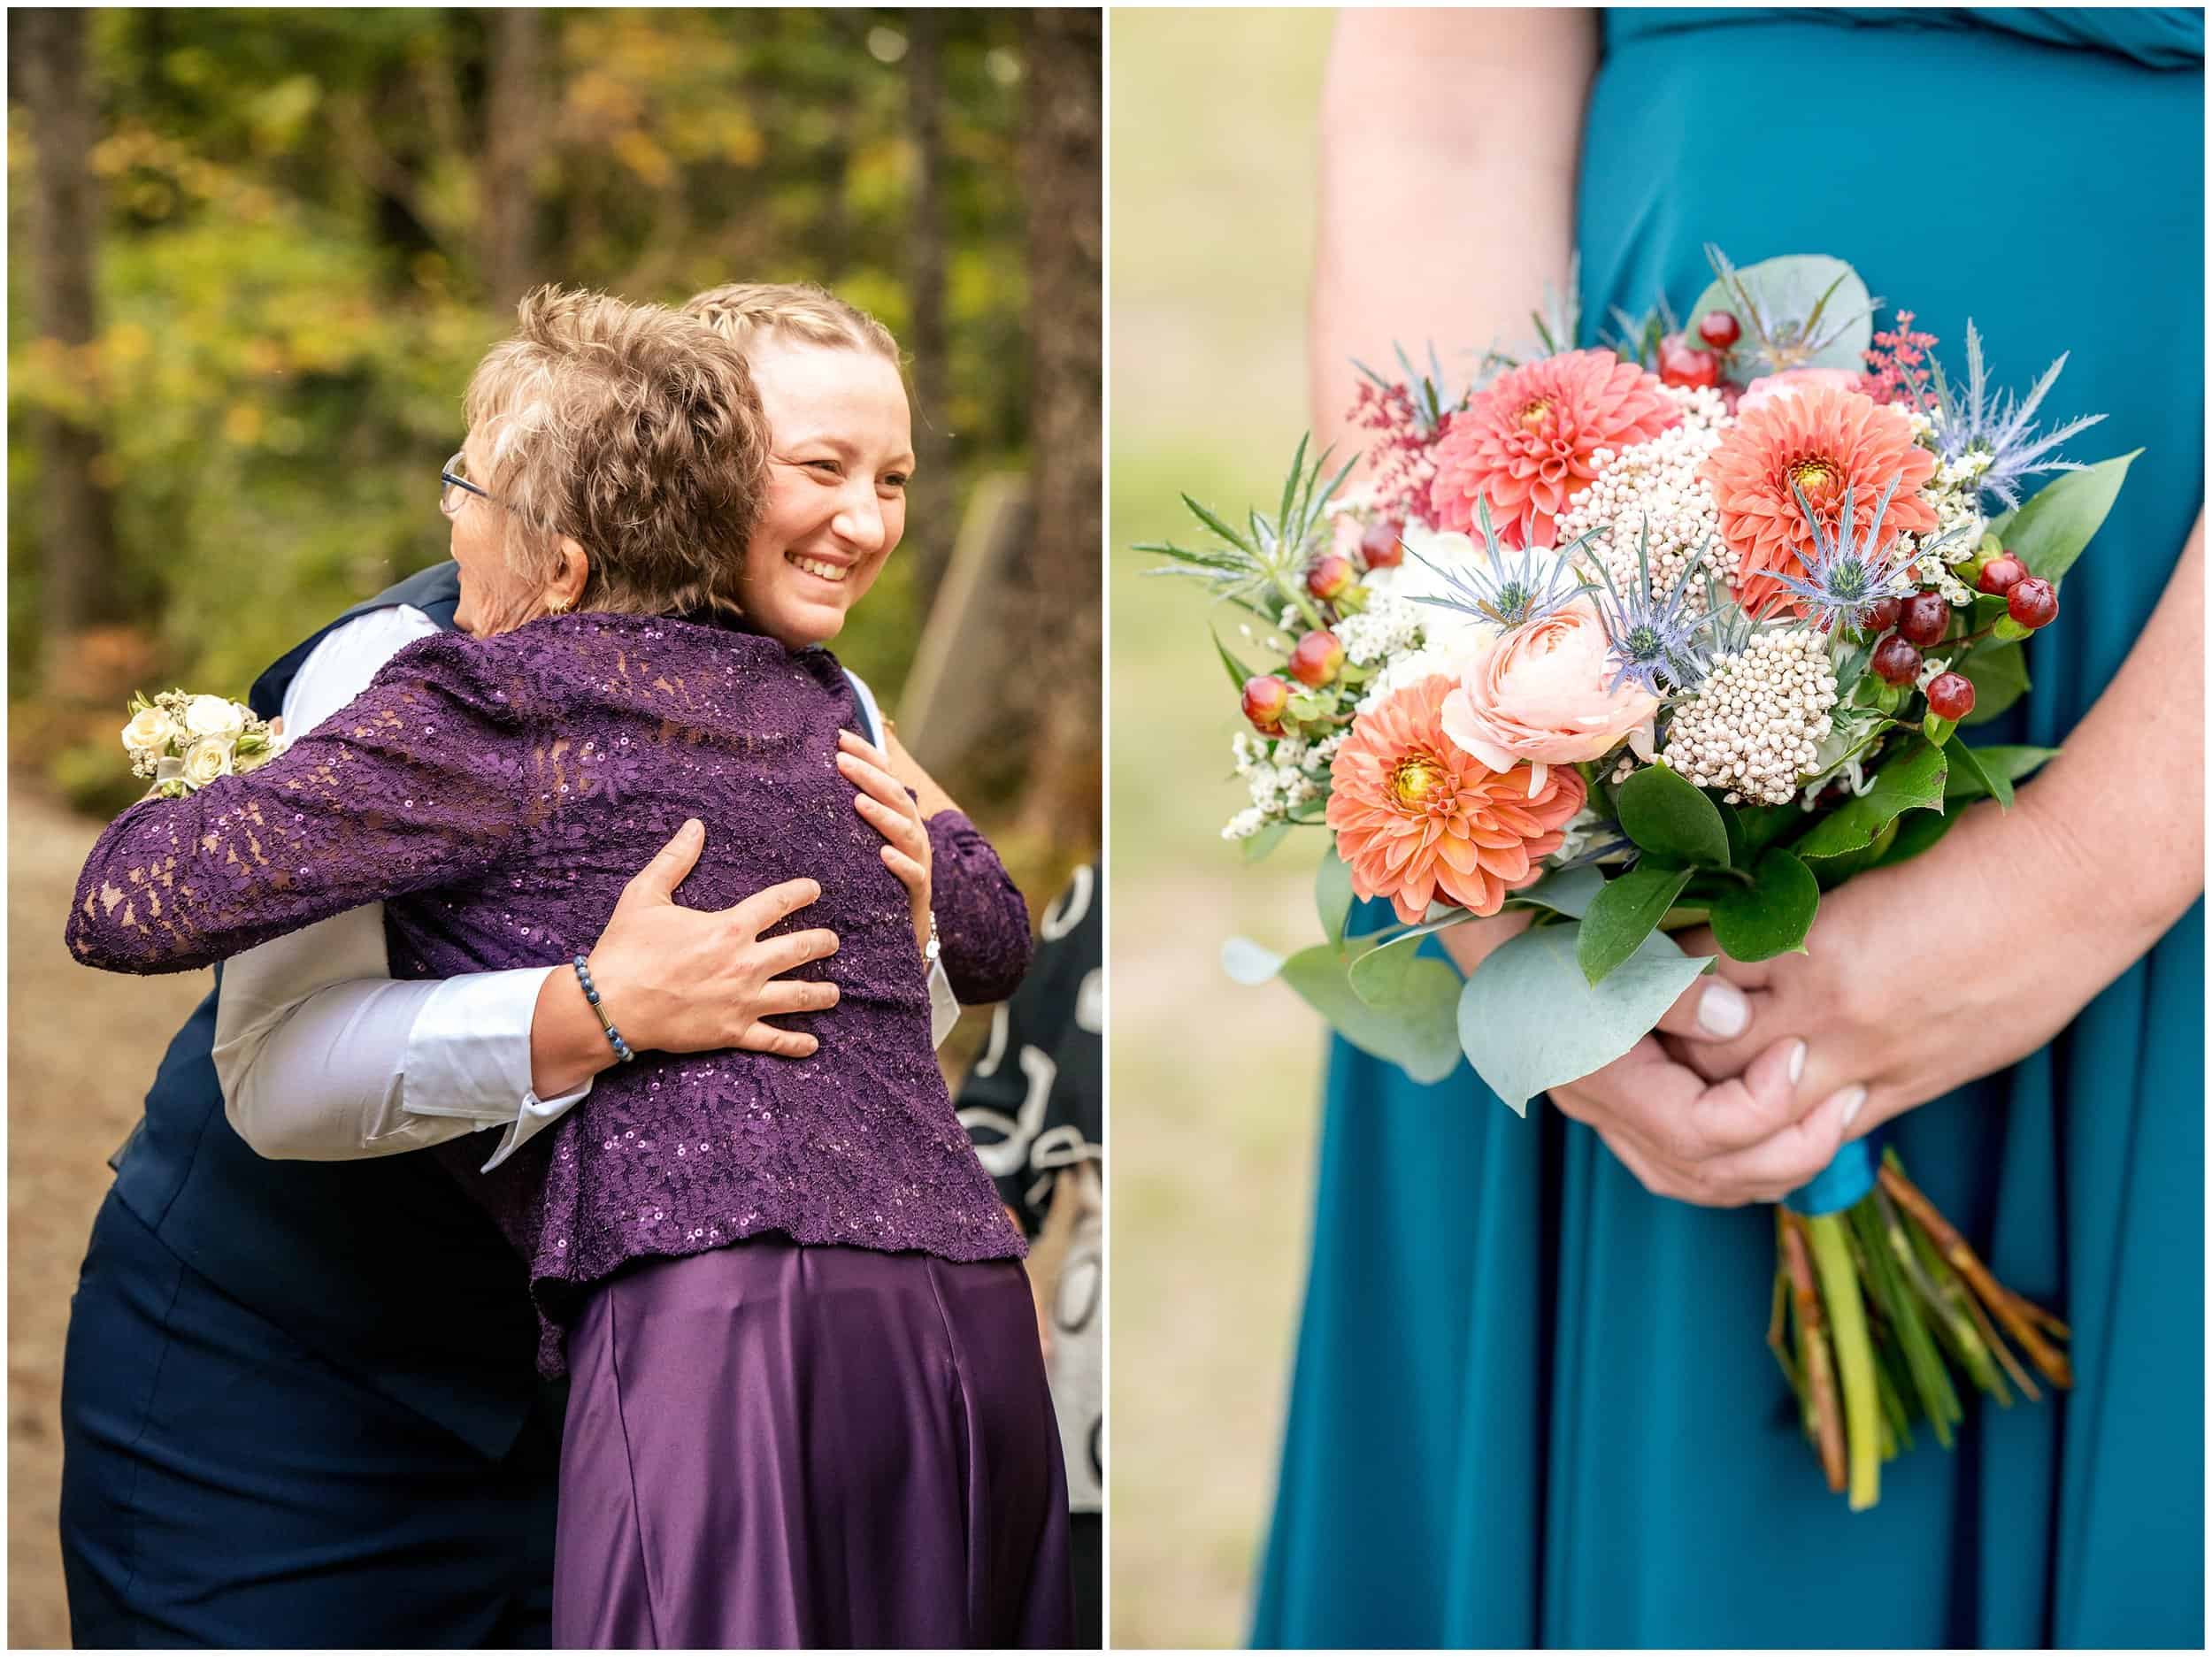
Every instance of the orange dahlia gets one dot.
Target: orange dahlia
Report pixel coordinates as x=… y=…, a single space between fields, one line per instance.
x=1824 y=441
x=1416 y=815
x=1523 y=444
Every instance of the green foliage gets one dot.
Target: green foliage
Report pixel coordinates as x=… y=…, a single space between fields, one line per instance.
x=1911 y=780
x=1530 y=1019
x=2051 y=529
x=1623 y=915
x=291 y=289
x=1771 y=915
x=1673 y=817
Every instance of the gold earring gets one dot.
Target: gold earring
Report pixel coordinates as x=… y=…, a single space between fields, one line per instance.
x=557 y=606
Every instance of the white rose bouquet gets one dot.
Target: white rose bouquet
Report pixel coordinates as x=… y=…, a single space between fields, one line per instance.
x=179 y=741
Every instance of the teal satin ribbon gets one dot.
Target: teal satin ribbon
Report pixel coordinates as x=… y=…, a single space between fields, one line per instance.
x=1848 y=1178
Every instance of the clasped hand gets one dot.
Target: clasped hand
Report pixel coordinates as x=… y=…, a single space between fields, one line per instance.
x=1915 y=980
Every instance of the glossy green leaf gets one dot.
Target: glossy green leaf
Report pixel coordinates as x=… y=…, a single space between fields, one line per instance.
x=1912 y=780
x=1997 y=762
x=1999 y=674
x=1670 y=817
x=2052 y=527
x=1624 y=914
x=1771 y=915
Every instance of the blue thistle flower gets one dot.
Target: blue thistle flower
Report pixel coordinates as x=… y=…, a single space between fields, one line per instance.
x=1650 y=635
x=1849 y=573
x=1511 y=591
x=2001 y=427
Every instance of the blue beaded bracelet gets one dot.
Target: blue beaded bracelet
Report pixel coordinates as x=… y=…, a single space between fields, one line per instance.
x=583 y=977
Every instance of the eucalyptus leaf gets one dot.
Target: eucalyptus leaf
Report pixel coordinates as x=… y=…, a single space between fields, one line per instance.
x=1564 y=891
x=1624 y=914
x=1997 y=761
x=1415 y=1029
x=1770 y=917
x=1378 y=975
x=2052 y=527
x=1912 y=780
x=1248 y=962
x=1332 y=893
x=1999 y=674
x=1530 y=1020
x=1670 y=817
x=1787 y=290
x=1259 y=845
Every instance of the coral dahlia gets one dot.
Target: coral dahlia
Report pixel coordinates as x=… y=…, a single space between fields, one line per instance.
x=1415 y=815
x=1824 y=442
x=1524 y=443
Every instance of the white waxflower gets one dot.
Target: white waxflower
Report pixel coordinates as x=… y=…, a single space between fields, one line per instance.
x=149 y=732
x=1450 y=634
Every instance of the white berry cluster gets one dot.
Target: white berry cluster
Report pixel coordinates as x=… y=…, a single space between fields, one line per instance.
x=1293 y=775
x=1755 y=725
x=1656 y=481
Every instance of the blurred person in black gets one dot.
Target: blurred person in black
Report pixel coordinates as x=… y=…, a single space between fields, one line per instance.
x=1032 y=1105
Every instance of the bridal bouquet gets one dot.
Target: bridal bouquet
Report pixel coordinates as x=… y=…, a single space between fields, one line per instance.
x=180 y=742
x=1682 y=631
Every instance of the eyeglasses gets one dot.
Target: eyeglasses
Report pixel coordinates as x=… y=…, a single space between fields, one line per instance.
x=451 y=484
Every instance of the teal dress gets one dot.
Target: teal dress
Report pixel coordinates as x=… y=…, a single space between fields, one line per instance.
x=1532 y=1403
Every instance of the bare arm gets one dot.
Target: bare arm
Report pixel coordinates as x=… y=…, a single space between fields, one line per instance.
x=1472 y=115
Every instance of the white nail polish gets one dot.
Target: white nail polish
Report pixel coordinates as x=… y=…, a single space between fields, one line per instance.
x=1853 y=1101
x=1797 y=1064
x=1722 y=1010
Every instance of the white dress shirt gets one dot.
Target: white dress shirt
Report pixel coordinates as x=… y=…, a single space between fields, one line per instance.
x=324 y=1056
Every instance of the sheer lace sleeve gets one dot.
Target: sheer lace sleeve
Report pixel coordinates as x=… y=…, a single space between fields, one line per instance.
x=417 y=782
x=982 y=921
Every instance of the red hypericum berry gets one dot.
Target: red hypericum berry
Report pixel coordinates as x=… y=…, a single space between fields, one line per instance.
x=1330 y=576
x=1681 y=364
x=2032 y=602
x=1265 y=697
x=1719 y=330
x=1951 y=696
x=1316 y=658
x=2002 y=574
x=1896 y=660
x=1881 y=615
x=1379 y=548
x=1924 y=618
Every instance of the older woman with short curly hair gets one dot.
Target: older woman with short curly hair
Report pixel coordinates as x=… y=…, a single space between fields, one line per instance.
x=806 y=1402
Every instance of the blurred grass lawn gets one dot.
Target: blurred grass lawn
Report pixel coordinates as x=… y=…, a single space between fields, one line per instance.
x=1214 y=1088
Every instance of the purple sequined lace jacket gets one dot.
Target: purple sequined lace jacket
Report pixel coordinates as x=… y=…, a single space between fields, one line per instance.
x=497 y=794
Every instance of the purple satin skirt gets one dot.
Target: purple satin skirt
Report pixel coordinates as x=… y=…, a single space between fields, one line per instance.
x=786 y=1445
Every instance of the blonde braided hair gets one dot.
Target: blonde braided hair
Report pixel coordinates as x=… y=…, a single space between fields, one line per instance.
x=743 y=312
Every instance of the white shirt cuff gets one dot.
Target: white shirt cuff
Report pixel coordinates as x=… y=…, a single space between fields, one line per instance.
x=468 y=1054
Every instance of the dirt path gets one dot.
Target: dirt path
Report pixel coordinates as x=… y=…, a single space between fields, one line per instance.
x=82 y=1048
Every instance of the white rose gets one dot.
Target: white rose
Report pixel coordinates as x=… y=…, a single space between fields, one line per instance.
x=213 y=716
x=208 y=758
x=149 y=732
x=1448 y=633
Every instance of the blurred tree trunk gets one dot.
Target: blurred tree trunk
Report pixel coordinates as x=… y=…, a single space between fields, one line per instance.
x=77 y=533
x=1058 y=581
x=514 y=130
x=933 y=496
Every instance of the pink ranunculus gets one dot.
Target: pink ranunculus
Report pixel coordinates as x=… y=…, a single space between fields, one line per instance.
x=1790 y=381
x=1540 y=695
